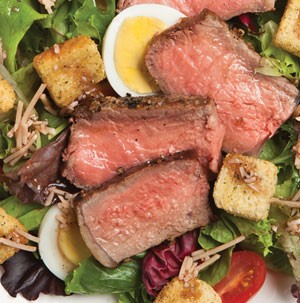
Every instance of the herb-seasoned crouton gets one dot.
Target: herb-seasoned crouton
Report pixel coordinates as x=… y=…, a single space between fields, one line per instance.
x=195 y=291
x=288 y=33
x=7 y=96
x=8 y=225
x=70 y=68
x=245 y=186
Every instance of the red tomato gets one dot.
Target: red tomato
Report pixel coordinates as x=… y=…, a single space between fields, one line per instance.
x=246 y=276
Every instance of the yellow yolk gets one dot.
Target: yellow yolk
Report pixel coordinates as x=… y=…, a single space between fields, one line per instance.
x=71 y=244
x=133 y=38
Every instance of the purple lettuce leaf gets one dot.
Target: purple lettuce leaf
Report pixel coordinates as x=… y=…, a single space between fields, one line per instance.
x=295 y=290
x=163 y=262
x=30 y=181
x=29 y=276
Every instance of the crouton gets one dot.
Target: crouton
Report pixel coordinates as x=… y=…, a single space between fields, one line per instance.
x=195 y=291
x=245 y=186
x=8 y=224
x=70 y=68
x=288 y=33
x=7 y=96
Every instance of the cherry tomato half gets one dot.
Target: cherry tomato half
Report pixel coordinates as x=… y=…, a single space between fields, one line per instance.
x=246 y=276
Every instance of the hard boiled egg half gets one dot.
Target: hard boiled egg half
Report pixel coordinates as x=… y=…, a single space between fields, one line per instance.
x=60 y=248
x=125 y=43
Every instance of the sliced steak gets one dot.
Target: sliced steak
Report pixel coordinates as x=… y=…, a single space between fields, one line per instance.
x=201 y=56
x=155 y=203
x=111 y=135
x=225 y=9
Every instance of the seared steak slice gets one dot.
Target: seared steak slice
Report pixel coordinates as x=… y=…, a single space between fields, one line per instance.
x=225 y=9
x=112 y=135
x=201 y=56
x=155 y=203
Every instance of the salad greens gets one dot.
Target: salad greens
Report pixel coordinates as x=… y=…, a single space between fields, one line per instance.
x=30 y=215
x=259 y=31
x=277 y=62
x=102 y=280
x=279 y=151
x=26 y=29
x=16 y=17
x=25 y=26
x=259 y=238
x=29 y=279
x=291 y=245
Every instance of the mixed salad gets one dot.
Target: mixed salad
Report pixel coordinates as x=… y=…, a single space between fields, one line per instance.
x=27 y=28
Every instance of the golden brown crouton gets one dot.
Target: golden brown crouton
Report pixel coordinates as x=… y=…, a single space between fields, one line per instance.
x=245 y=186
x=195 y=291
x=288 y=33
x=8 y=224
x=7 y=96
x=70 y=68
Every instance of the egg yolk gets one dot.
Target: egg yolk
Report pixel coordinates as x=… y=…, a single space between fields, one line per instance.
x=132 y=40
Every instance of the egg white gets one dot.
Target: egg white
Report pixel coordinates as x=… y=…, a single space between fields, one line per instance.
x=48 y=245
x=166 y=14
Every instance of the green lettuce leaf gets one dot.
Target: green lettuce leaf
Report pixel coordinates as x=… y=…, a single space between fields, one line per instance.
x=26 y=32
x=126 y=297
x=259 y=235
x=218 y=270
x=277 y=260
x=16 y=17
x=57 y=122
x=19 y=92
x=291 y=245
x=6 y=143
x=279 y=215
x=259 y=238
x=277 y=62
x=93 y=278
x=279 y=151
x=219 y=232
x=30 y=215
x=70 y=19
x=90 y=20
x=27 y=81
x=140 y=295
